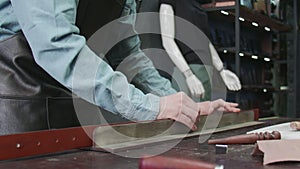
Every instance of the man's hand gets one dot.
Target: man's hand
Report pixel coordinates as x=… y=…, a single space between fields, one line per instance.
x=181 y=108
x=209 y=107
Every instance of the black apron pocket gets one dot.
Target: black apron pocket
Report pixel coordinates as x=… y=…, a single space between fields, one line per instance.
x=22 y=115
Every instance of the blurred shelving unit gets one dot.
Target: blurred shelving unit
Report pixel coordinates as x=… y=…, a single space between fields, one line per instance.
x=261 y=50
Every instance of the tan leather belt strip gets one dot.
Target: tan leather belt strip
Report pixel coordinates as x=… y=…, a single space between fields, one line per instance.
x=44 y=142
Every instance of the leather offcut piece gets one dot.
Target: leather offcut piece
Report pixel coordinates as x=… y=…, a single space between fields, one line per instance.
x=280 y=150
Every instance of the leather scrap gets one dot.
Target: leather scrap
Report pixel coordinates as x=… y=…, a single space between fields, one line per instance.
x=279 y=150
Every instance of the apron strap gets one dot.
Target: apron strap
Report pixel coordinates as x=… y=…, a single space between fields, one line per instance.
x=93 y=14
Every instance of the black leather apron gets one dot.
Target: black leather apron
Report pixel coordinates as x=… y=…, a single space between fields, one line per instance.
x=30 y=99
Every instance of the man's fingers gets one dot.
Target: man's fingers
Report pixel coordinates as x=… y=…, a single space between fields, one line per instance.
x=222 y=105
x=232 y=104
x=232 y=107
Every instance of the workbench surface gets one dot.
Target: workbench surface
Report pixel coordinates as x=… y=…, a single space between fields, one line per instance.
x=238 y=156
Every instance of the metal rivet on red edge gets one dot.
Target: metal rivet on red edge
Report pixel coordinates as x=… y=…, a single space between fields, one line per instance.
x=18 y=145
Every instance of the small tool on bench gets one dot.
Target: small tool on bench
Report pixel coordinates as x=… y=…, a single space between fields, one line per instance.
x=247 y=138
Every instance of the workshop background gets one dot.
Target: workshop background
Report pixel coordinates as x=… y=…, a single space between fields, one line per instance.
x=258 y=40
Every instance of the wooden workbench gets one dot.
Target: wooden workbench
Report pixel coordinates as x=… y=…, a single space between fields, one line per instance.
x=238 y=156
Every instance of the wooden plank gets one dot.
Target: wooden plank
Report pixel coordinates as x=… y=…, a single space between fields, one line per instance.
x=126 y=136
x=104 y=142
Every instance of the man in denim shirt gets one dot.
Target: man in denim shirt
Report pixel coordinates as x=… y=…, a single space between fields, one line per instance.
x=43 y=55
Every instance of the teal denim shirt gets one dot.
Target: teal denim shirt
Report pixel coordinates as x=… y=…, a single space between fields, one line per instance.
x=49 y=27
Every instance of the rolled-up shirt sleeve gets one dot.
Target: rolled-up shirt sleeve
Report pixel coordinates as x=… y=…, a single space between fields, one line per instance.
x=128 y=58
x=49 y=27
